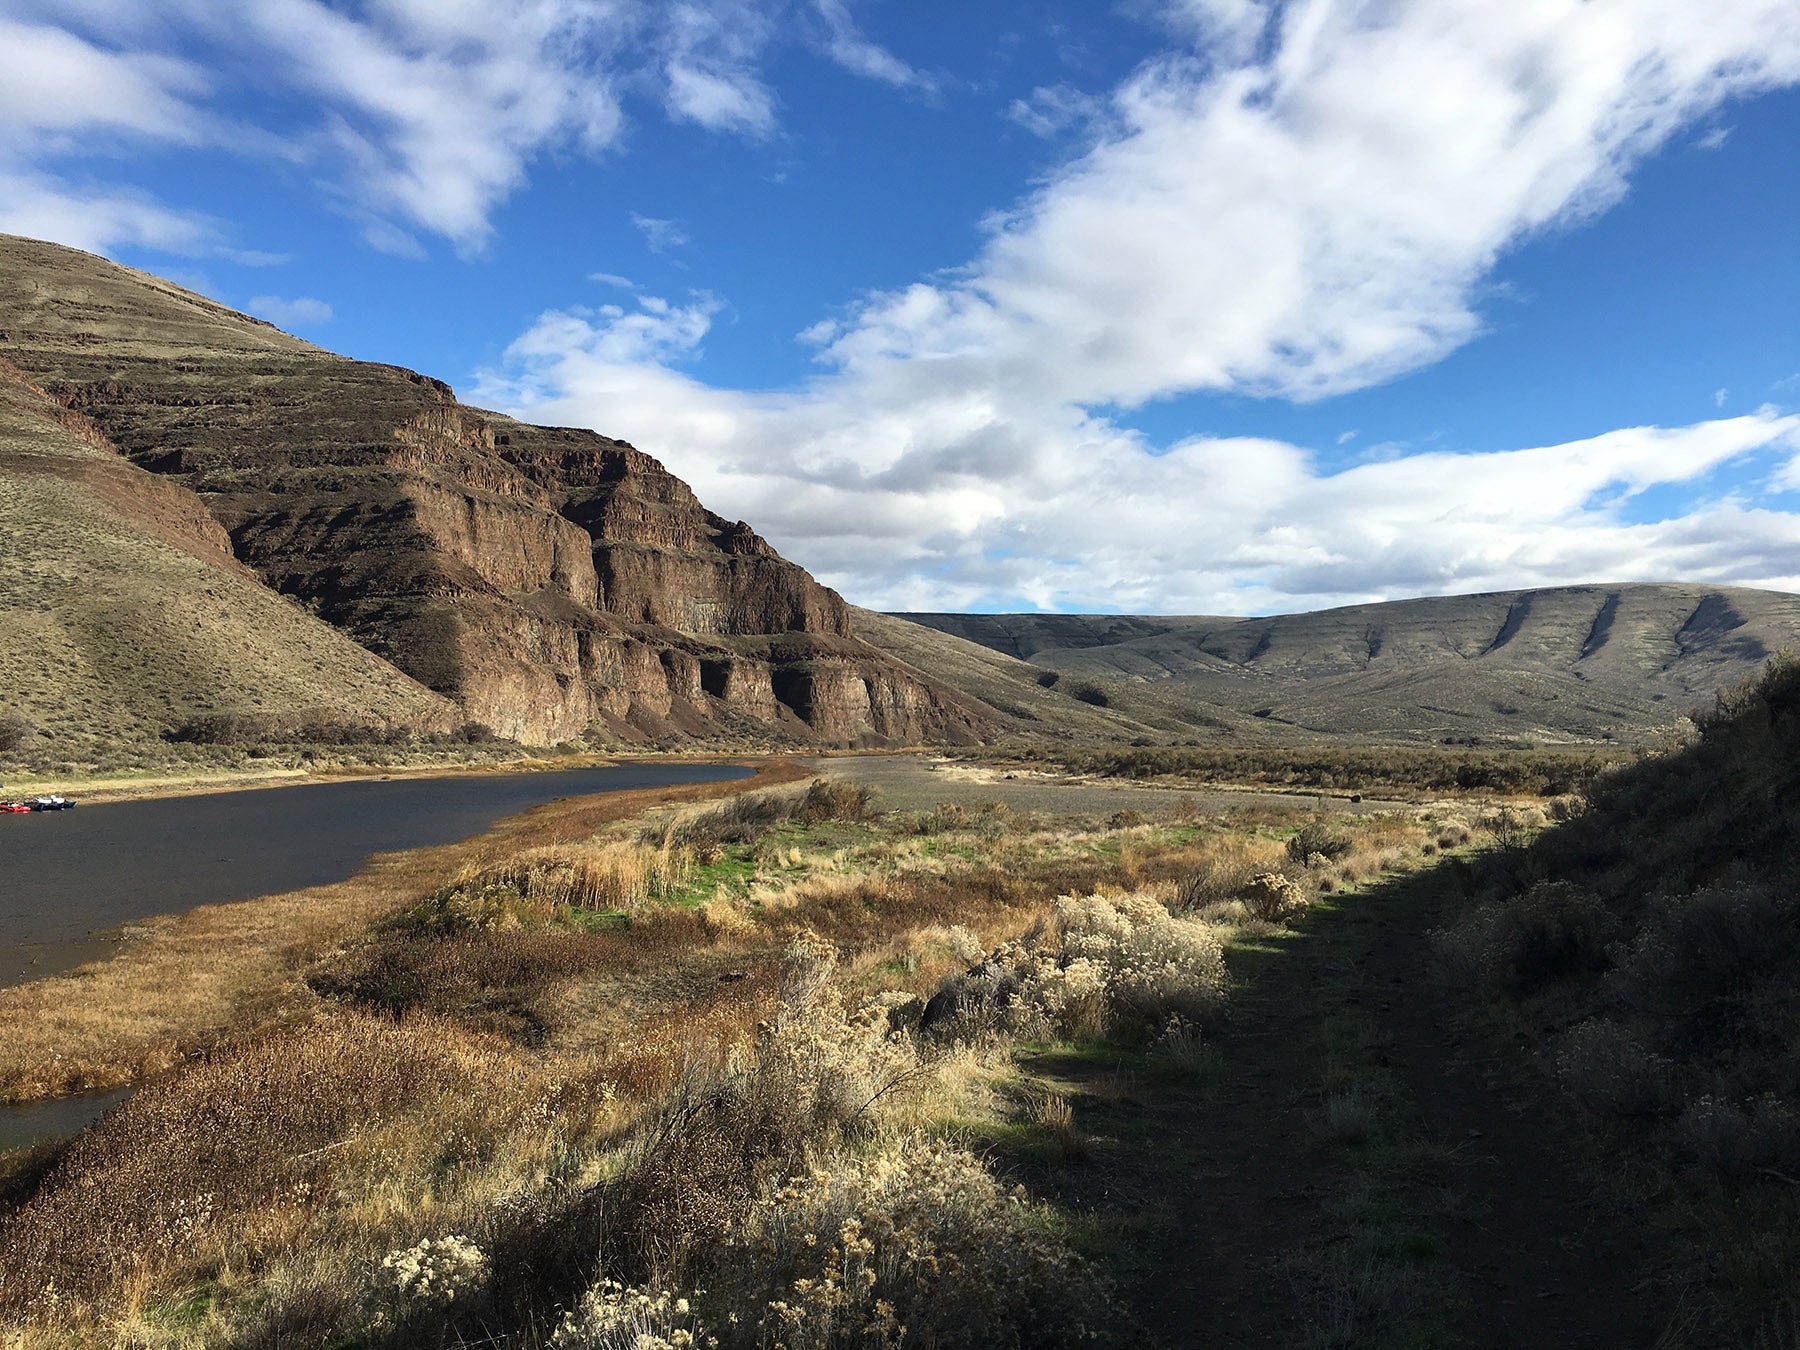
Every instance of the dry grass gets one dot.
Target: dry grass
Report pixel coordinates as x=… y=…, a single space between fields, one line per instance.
x=556 y=1104
x=1649 y=940
x=221 y=970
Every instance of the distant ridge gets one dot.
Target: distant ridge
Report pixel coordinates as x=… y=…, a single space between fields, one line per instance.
x=1585 y=662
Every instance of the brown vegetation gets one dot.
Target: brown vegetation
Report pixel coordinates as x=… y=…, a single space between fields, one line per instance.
x=585 y=1070
x=1650 y=944
x=221 y=970
x=1408 y=769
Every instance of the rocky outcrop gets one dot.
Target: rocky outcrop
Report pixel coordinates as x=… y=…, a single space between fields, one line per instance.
x=548 y=580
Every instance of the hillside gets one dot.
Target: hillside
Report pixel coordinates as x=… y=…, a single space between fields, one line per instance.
x=125 y=614
x=1647 y=948
x=1009 y=686
x=548 y=583
x=1577 y=662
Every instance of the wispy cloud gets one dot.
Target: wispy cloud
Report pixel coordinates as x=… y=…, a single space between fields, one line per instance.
x=1054 y=109
x=846 y=44
x=417 y=118
x=661 y=235
x=300 y=312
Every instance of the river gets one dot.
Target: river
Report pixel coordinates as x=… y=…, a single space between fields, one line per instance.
x=66 y=877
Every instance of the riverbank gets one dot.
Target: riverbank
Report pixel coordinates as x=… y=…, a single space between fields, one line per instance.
x=101 y=788
x=183 y=982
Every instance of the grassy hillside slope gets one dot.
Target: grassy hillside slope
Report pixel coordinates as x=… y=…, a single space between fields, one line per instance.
x=1577 y=662
x=1650 y=946
x=1010 y=686
x=123 y=614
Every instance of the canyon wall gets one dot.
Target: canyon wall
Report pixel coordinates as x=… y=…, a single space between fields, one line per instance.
x=550 y=581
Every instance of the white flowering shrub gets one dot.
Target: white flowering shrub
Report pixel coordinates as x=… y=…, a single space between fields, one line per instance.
x=613 y=1316
x=1108 y=960
x=435 y=1272
x=836 y=1064
x=918 y=1246
x=1274 y=898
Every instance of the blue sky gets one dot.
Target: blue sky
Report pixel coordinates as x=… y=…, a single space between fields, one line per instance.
x=1165 y=306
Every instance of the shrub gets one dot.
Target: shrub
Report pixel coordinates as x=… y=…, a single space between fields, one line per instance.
x=1611 y=1072
x=1699 y=952
x=15 y=733
x=1228 y=866
x=815 y=1074
x=1120 y=962
x=747 y=817
x=830 y=799
x=1553 y=931
x=1272 y=898
x=1737 y=1140
x=919 y=1245
x=613 y=1316
x=1317 y=837
x=1091 y=693
x=435 y=1271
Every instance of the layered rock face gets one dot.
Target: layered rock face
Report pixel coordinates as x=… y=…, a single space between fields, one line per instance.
x=546 y=579
x=124 y=615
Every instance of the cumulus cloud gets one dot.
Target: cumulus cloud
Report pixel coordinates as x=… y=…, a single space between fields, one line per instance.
x=1308 y=205
x=300 y=312
x=935 y=501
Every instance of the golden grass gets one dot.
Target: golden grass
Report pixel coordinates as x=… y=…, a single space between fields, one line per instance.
x=221 y=970
x=317 y=1141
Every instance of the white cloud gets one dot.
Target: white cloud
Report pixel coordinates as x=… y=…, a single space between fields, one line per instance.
x=710 y=66
x=42 y=206
x=1053 y=109
x=1320 y=220
x=1317 y=218
x=417 y=116
x=300 y=312
x=1719 y=397
x=1229 y=30
x=933 y=501
x=661 y=235
x=846 y=45
x=612 y=279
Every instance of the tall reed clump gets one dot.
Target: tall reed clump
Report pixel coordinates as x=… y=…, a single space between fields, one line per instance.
x=747 y=817
x=298 y=1151
x=542 y=885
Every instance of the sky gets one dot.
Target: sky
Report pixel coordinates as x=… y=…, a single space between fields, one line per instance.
x=1152 y=306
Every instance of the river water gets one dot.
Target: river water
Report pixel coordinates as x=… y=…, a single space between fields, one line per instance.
x=66 y=877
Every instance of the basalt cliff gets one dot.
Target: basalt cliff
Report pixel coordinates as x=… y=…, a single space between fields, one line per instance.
x=547 y=583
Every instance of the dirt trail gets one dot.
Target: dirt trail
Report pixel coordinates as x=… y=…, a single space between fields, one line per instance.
x=1544 y=1260
x=1459 y=1222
